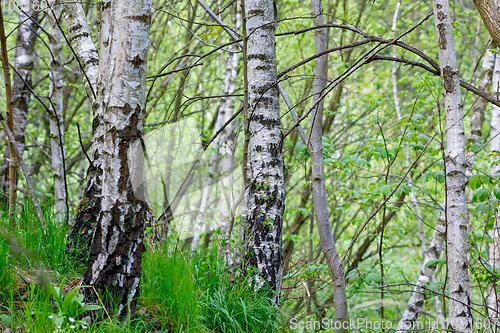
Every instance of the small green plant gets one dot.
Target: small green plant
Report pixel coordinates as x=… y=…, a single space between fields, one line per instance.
x=69 y=307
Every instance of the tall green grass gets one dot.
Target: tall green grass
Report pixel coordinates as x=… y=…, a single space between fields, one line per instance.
x=194 y=292
x=168 y=287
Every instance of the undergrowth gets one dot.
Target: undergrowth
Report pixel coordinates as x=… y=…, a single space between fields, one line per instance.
x=180 y=291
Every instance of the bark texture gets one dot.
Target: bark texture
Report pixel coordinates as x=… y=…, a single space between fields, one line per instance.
x=56 y=114
x=491 y=19
x=318 y=174
x=79 y=37
x=265 y=186
x=457 y=246
x=114 y=265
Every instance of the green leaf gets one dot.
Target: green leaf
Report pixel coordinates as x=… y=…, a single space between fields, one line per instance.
x=90 y=307
x=373 y=277
x=481 y=195
x=385 y=189
x=434 y=263
x=475 y=182
x=476 y=147
x=5 y=319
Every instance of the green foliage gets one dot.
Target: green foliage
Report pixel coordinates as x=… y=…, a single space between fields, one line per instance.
x=69 y=307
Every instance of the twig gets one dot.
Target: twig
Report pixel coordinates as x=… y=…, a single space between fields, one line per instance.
x=81 y=145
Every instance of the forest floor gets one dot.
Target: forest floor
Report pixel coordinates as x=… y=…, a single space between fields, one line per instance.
x=180 y=292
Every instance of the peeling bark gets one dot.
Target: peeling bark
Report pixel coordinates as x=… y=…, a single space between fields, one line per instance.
x=265 y=186
x=114 y=265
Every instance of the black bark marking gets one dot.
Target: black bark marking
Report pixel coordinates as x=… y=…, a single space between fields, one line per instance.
x=442 y=43
x=144 y=18
x=441 y=16
x=137 y=62
x=448 y=83
x=260 y=56
x=256 y=12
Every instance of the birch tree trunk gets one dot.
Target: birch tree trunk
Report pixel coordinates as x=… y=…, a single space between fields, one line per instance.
x=318 y=174
x=114 y=265
x=265 y=188
x=225 y=106
x=79 y=36
x=23 y=65
x=494 y=251
x=416 y=302
x=457 y=246
x=227 y=158
x=56 y=114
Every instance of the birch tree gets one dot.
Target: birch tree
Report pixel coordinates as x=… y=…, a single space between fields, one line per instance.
x=457 y=246
x=114 y=266
x=225 y=106
x=415 y=305
x=264 y=172
x=86 y=53
x=56 y=113
x=22 y=78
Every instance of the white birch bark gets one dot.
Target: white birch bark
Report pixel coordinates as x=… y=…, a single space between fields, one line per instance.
x=480 y=106
x=318 y=174
x=115 y=258
x=56 y=113
x=25 y=47
x=413 y=198
x=457 y=246
x=494 y=250
x=81 y=41
x=21 y=85
x=416 y=302
x=79 y=36
x=227 y=158
x=265 y=189
x=224 y=107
